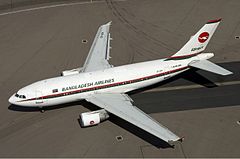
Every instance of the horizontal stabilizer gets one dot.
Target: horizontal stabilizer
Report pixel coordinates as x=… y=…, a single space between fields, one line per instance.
x=211 y=67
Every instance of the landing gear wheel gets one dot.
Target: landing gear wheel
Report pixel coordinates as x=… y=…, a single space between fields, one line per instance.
x=42 y=110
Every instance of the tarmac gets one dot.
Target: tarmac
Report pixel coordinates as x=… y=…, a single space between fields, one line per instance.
x=39 y=41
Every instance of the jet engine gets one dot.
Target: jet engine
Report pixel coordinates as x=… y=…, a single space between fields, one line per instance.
x=71 y=72
x=93 y=118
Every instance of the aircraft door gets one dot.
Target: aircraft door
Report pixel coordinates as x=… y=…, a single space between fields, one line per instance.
x=39 y=97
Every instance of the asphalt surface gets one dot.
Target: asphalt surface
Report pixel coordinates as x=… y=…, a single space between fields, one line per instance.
x=202 y=107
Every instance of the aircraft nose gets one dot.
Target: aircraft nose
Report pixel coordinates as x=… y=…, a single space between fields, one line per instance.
x=12 y=99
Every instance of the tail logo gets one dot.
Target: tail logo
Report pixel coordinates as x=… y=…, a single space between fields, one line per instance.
x=203 y=37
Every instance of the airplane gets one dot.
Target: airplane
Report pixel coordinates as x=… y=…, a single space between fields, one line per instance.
x=107 y=87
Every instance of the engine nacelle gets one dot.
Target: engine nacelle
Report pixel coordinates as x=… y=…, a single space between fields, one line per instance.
x=93 y=118
x=71 y=72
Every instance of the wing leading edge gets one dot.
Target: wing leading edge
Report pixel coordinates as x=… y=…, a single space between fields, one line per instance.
x=98 y=55
x=121 y=106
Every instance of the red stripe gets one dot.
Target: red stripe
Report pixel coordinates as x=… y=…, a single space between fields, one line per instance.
x=184 y=56
x=108 y=85
x=214 y=21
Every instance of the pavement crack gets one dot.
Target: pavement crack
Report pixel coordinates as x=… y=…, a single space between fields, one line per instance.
x=187 y=15
x=85 y=153
x=183 y=152
x=141 y=149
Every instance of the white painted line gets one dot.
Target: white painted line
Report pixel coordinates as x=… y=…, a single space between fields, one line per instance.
x=55 y=6
x=190 y=86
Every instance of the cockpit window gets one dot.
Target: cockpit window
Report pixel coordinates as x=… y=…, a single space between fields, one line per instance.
x=20 y=96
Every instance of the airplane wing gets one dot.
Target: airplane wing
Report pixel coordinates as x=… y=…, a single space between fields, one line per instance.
x=98 y=55
x=121 y=106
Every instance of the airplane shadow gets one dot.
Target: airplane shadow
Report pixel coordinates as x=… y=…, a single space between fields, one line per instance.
x=36 y=109
x=151 y=139
x=22 y=109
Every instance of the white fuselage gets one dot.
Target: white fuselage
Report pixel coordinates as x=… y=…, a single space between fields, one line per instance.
x=119 y=79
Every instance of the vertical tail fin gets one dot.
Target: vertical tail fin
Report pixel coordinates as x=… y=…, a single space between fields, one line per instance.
x=199 y=41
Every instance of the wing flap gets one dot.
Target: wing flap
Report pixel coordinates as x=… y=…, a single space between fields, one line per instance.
x=211 y=67
x=121 y=106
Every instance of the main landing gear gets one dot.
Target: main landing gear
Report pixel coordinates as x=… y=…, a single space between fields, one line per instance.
x=41 y=109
